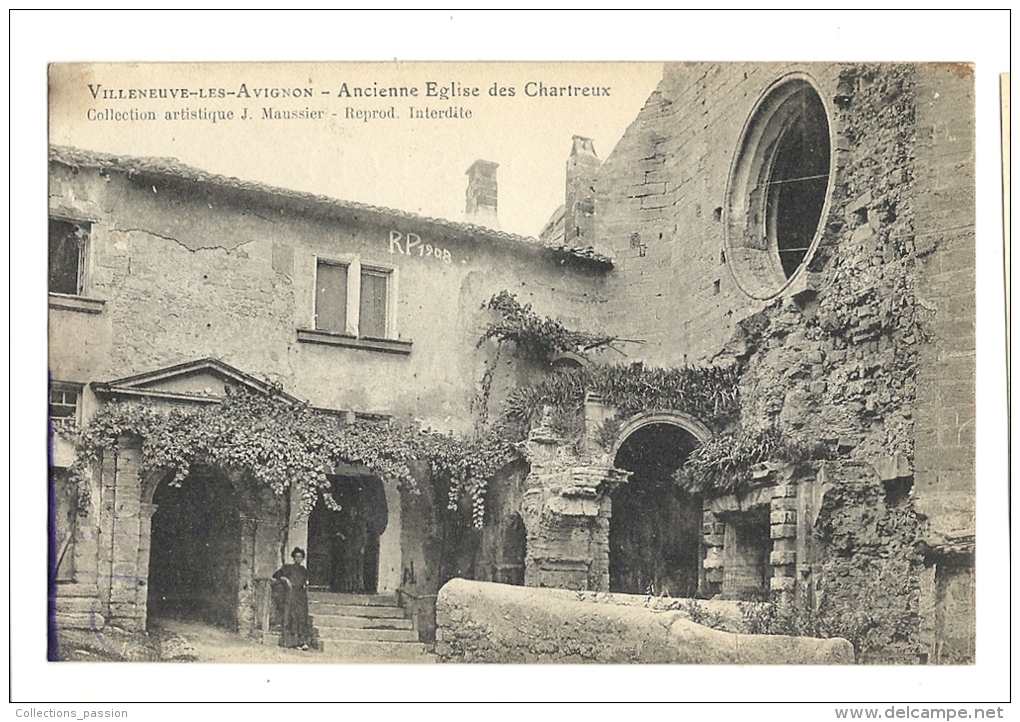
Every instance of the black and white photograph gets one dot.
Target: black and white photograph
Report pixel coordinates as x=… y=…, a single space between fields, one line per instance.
x=378 y=365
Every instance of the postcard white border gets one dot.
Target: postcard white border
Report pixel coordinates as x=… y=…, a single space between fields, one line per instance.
x=41 y=37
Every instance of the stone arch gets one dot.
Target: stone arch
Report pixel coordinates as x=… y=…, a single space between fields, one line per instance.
x=195 y=548
x=254 y=528
x=674 y=418
x=654 y=533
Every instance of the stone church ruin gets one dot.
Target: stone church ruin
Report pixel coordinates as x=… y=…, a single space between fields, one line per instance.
x=737 y=365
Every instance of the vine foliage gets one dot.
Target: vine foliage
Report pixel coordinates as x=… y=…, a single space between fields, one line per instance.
x=277 y=443
x=725 y=463
x=538 y=338
x=707 y=393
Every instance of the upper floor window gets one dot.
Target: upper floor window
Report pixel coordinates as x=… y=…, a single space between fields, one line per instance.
x=64 y=400
x=353 y=299
x=68 y=252
x=331 y=297
x=374 y=300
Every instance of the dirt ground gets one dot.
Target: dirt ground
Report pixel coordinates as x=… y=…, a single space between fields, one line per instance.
x=176 y=640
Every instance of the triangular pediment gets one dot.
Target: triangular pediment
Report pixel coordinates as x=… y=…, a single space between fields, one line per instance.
x=203 y=381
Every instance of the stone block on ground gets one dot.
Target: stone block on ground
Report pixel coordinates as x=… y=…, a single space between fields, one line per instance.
x=517 y=625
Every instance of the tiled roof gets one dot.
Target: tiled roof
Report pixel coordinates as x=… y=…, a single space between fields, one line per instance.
x=173 y=168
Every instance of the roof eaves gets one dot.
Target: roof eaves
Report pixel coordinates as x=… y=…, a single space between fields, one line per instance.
x=171 y=167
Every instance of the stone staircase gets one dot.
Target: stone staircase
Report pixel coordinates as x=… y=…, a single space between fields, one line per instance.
x=365 y=626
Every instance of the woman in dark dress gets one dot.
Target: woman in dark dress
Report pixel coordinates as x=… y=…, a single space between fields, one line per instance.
x=293 y=578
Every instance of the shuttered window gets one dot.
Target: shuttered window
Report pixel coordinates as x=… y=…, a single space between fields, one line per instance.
x=331 y=297
x=372 y=322
x=352 y=300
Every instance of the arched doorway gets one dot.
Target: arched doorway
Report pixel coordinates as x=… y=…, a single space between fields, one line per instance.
x=343 y=545
x=655 y=529
x=195 y=552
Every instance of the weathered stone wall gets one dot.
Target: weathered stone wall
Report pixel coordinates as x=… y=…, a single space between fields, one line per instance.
x=660 y=196
x=867 y=576
x=503 y=539
x=946 y=414
x=869 y=354
x=482 y=622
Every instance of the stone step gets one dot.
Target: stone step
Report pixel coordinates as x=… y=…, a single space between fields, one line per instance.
x=330 y=634
x=373 y=600
x=324 y=621
x=353 y=610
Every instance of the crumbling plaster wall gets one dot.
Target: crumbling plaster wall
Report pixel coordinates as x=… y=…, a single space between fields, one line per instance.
x=188 y=271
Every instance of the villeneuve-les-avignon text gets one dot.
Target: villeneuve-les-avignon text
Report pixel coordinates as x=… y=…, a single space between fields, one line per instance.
x=434 y=90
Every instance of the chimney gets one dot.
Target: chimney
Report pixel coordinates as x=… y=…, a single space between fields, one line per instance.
x=482 y=194
x=579 y=206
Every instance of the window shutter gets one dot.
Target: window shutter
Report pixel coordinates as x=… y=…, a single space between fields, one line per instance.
x=331 y=297
x=373 y=304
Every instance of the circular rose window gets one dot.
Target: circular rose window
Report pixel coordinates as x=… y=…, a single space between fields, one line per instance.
x=779 y=188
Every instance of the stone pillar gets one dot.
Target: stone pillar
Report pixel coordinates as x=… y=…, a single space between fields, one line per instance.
x=126 y=541
x=297 y=526
x=246 y=589
x=783 y=531
x=712 y=536
x=145 y=512
x=104 y=541
x=596 y=413
x=262 y=532
x=389 y=542
x=566 y=511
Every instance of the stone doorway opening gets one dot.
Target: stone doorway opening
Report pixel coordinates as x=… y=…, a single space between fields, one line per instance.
x=195 y=550
x=655 y=529
x=343 y=545
x=746 y=547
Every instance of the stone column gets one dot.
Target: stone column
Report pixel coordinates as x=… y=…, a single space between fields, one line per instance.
x=713 y=532
x=297 y=526
x=125 y=576
x=262 y=532
x=783 y=531
x=389 y=543
x=566 y=511
x=145 y=512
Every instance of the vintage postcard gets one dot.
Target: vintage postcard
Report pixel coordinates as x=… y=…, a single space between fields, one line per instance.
x=522 y=363
x=363 y=373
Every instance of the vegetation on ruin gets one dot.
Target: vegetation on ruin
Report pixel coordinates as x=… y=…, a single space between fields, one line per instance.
x=781 y=614
x=277 y=444
x=726 y=462
x=706 y=393
x=537 y=337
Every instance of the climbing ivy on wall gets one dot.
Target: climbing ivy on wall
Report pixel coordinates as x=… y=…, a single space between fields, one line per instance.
x=537 y=337
x=724 y=464
x=706 y=393
x=709 y=394
x=278 y=443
